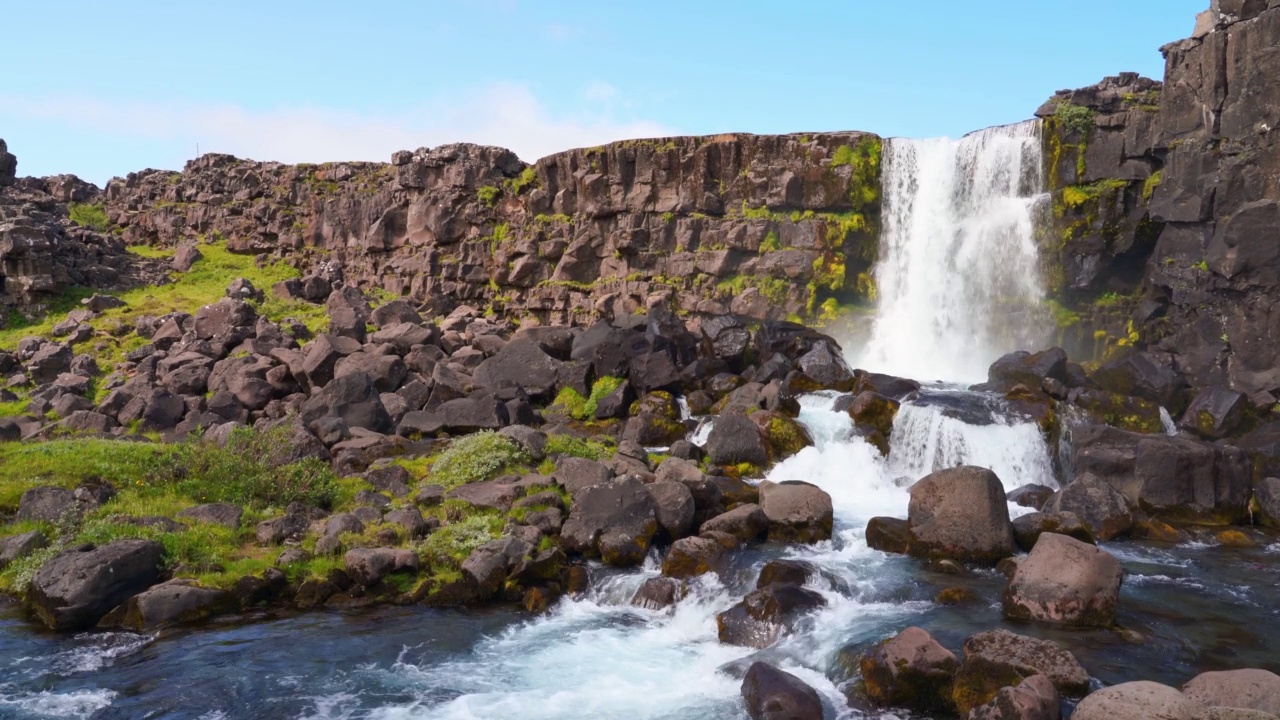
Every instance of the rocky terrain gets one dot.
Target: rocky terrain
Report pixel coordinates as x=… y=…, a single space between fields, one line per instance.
x=458 y=378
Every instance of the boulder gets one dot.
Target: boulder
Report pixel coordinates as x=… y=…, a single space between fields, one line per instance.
x=172 y=603
x=1267 y=494
x=875 y=411
x=1171 y=478
x=1028 y=528
x=576 y=474
x=826 y=365
x=1142 y=375
x=1031 y=495
x=74 y=589
x=1250 y=689
x=1000 y=659
x=747 y=523
x=886 y=534
x=910 y=670
x=960 y=514
x=367 y=566
x=1032 y=699
x=772 y=694
x=1141 y=700
x=224 y=514
x=614 y=520
x=1103 y=508
x=760 y=618
x=278 y=529
x=1064 y=582
x=16 y=547
x=785 y=572
x=692 y=556
x=352 y=398
x=519 y=364
x=659 y=592
x=1029 y=369
x=796 y=511
x=734 y=439
x=47 y=504
x=675 y=509
x=488 y=566
x=1215 y=412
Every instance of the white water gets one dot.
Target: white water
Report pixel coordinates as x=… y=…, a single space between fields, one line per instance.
x=957 y=277
x=599 y=657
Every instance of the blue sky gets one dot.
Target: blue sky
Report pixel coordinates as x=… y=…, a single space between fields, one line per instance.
x=101 y=89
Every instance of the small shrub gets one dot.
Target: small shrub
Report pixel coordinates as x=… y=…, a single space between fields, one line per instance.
x=452 y=543
x=477 y=457
x=771 y=243
x=1075 y=119
x=90 y=215
x=577 y=447
x=528 y=178
x=489 y=194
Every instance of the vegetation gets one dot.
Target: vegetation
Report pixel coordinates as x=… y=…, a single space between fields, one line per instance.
x=1075 y=119
x=527 y=179
x=577 y=447
x=1149 y=187
x=489 y=194
x=1075 y=196
x=90 y=215
x=770 y=243
x=482 y=456
x=580 y=408
x=864 y=158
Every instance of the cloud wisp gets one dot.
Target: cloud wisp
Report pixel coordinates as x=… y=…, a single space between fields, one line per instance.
x=505 y=114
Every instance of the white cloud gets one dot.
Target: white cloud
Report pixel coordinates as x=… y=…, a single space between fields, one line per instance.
x=507 y=115
x=600 y=91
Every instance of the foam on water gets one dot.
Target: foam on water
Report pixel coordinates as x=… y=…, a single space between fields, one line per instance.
x=49 y=704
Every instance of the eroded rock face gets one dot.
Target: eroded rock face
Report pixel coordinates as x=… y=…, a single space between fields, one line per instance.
x=960 y=514
x=74 y=589
x=1064 y=582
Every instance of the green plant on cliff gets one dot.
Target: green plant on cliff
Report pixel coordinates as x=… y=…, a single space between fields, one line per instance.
x=489 y=194
x=1149 y=187
x=864 y=158
x=770 y=243
x=1075 y=119
x=90 y=215
x=1074 y=196
x=527 y=179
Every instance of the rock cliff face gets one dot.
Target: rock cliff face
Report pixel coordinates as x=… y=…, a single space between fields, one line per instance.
x=767 y=227
x=1166 y=206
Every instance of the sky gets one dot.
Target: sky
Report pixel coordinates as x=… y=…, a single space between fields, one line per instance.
x=102 y=89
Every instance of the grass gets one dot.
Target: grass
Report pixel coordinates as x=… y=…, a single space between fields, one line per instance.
x=580 y=408
x=577 y=447
x=527 y=179
x=489 y=194
x=482 y=456
x=452 y=543
x=1074 y=196
x=90 y=215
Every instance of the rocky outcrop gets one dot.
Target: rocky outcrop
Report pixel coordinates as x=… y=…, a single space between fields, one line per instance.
x=77 y=587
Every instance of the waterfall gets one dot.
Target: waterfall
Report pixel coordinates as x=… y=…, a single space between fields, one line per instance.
x=958 y=272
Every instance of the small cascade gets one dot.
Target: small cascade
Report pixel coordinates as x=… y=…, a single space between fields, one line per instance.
x=958 y=271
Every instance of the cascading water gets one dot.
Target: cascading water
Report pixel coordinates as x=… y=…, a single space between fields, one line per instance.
x=958 y=278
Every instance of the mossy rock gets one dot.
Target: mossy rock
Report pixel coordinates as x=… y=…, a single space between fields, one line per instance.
x=979 y=679
x=658 y=402
x=956 y=596
x=785 y=436
x=873 y=410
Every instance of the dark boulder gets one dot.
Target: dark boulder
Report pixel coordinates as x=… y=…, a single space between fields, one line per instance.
x=224 y=514
x=1031 y=495
x=1028 y=528
x=785 y=572
x=488 y=566
x=734 y=439
x=354 y=399
x=746 y=522
x=675 y=509
x=659 y=592
x=1140 y=374
x=692 y=556
x=1103 y=508
x=48 y=504
x=761 y=617
x=1215 y=412
x=368 y=566
x=520 y=364
x=772 y=694
x=1029 y=369
x=998 y=658
x=74 y=589
x=176 y=602
x=891 y=535
x=16 y=547
x=614 y=521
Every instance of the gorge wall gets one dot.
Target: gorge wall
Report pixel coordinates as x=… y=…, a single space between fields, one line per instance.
x=1163 y=232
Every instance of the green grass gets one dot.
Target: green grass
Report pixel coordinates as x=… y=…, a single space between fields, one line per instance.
x=489 y=194
x=452 y=543
x=527 y=179
x=1075 y=119
x=577 y=447
x=584 y=408
x=90 y=215
x=482 y=456
x=66 y=463
x=152 y=252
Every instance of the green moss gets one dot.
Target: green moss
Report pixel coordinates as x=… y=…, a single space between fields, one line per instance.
x=573 y=404
x=1075 y=196
x=760 y=213
x=90 y=215
x=488 y=194
x=864 y=158
x=1075 y=119
x=1063 y=317
x=771 y=243
x=577 y=447
x=1150 y=185
x=482 y=456
x=527 y=179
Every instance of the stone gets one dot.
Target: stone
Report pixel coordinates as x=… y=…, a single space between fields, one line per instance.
x=76 y=588
x=910 y=670
x=874 y=411
x=998 y=659
x=692 y=556
x=785 y=572
x=47 y=504
x=1064 y=582
x=615 y=521
x=177 y=602
x=487 y=566
x=224 y=514
x=891 y=535
x=1029 y=369
x=411 y=520
x=279 y=529
x=1250 y=689
x=520 y=364
x=1215 y=412
x=186 y=256
x=760 y=618
x=1103 y=508
x=576 y=474
x=1028 y=528
x=368 y=566
x=16 y=547
x=734 y=439
x=675 y=509
x=773 y=694
x=746 y=522
x=1030 y=495
x=797 y=511
x=658 y=593
x=1032 y=699
x=1141 y=700
x=1142 y=375
x=960 y=514
x=353 y=398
